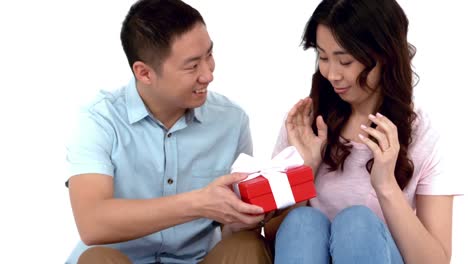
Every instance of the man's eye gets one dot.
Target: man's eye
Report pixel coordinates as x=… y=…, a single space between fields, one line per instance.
x=192 y=67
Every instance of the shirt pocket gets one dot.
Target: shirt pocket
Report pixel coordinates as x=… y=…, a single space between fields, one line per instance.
x=203 y=177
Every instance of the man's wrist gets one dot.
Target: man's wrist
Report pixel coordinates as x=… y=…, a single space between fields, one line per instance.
x=195 y=199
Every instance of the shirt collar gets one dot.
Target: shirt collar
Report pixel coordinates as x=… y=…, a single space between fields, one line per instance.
x=136 y=109
x=197 y=113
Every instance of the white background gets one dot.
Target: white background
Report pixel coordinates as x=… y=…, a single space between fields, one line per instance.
x=55 y=55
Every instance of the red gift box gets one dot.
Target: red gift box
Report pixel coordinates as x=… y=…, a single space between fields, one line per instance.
x=258 y=191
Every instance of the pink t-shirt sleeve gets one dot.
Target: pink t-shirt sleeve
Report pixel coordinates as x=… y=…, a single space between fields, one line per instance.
x=432 y=176
x=282 y=140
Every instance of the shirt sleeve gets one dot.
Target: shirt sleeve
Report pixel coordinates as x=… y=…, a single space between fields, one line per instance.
x=245 y=139
x=282 y=140
x=90 y=145
x=434 y=177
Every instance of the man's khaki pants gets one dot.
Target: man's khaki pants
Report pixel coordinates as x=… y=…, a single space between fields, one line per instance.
x=241 y=247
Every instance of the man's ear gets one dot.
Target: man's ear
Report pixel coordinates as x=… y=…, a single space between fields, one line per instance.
x=143 y=72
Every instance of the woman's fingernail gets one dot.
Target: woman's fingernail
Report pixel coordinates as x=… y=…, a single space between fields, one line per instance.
x=379 y=114
x=371 y=116
x=363 y=127
x=360 y=136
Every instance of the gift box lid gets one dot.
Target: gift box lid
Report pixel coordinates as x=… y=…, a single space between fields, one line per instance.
x=259 y=186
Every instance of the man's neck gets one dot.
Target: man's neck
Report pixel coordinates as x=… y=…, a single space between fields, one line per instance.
x=167 y=117
x=167 y=114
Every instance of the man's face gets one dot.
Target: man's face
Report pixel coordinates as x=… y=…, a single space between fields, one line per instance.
x=185 y=74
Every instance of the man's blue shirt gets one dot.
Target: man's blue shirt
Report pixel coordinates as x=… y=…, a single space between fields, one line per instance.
x=117 y=136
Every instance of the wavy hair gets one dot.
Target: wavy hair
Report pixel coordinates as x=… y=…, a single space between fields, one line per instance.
x=371 y=31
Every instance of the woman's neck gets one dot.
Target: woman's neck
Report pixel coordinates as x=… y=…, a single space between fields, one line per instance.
x=360 y=116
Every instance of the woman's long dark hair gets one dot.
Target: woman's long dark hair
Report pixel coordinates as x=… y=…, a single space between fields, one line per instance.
x=371 y=31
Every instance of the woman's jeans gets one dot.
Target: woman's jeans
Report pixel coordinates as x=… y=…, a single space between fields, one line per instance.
x=356 y=235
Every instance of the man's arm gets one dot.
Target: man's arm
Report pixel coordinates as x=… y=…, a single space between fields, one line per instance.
x=102 y=219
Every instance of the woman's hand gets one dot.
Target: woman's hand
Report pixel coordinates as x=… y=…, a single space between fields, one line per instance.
x=385 y=151
x=301 y=135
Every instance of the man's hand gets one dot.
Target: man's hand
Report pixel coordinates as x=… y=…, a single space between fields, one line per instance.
x=217 y=201
x=236 y=227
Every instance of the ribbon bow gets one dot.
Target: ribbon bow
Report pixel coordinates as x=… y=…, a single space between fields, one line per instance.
x=274 y=171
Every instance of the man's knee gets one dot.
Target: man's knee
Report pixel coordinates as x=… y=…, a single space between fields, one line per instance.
x=105 y=255
x=240 y=247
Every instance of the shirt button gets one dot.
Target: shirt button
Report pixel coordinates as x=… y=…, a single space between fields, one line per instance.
x=170 y=181
x=169 y=134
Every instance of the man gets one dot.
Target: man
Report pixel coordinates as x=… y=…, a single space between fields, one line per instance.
x=146 y=160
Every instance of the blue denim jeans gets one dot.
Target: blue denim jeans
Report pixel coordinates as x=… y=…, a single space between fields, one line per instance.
x=356 y=235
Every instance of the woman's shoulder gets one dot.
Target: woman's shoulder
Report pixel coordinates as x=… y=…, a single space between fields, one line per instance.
x=425 y=137
x=422 y=125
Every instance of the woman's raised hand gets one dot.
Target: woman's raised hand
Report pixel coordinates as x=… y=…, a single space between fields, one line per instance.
x=301 y=135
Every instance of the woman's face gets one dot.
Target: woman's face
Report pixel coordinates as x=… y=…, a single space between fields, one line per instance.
x=342 y=70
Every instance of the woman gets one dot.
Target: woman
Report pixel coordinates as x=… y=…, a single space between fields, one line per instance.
x=382 y=194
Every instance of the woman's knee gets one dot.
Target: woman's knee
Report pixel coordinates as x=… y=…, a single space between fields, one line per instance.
x=306 y=215
x=304 y=220
x=355 y=219
x=357 y=234
x=304 y=235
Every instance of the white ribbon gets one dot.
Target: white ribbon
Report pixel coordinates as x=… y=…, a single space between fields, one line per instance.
x=274 y=171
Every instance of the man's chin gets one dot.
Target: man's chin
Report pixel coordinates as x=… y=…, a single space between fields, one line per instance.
x=197 y=103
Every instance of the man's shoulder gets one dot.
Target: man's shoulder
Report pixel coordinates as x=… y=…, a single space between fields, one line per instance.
x=222 y=102
x=104 y=101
